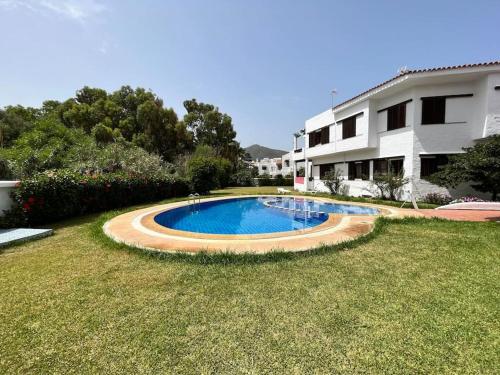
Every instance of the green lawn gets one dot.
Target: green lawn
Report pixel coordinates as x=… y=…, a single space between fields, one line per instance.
x=416 y=296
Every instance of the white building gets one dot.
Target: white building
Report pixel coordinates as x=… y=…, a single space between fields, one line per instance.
x=270 y=166
x=287 y=164
x=410 y=122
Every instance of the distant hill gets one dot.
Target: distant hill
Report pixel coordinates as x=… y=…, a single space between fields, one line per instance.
x=260 y=152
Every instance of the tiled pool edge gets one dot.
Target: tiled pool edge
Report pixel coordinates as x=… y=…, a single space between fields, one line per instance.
x=130 y=229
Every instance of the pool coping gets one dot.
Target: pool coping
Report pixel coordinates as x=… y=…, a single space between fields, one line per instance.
x=138 y=229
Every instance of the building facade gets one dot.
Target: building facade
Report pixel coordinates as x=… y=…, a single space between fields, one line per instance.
x=269 y=166
x=409 y=124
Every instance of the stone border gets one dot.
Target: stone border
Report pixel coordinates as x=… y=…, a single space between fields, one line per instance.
x=138 y=229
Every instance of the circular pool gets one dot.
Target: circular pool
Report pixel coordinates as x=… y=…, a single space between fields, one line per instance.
x=254 y=215
x=246 y=224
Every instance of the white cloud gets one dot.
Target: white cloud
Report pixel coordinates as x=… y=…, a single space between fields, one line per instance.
x=78 y=10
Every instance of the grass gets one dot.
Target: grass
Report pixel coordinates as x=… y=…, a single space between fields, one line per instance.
x=418 y=295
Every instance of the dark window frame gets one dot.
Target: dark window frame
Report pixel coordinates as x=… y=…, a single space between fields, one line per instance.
x=358 y=170
x=386 y=164
x=432 y=164
x=433 y=110
x=349 y=127
x=436 y=108
x=319 y=136
x=324 y=168
x=396 y=117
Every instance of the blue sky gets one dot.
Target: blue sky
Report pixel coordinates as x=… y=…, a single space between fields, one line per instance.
x=269 y=64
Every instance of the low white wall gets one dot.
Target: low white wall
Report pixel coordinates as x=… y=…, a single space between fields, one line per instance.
x=5 y=200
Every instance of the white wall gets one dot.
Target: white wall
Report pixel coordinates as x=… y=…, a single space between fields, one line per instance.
x=467 y=119
x=6 y=187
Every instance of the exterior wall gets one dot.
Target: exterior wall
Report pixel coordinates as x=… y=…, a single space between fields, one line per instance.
x=6 y=187
x=271 y=167
x=287 y=159
x=467 y=120
x=464 y=123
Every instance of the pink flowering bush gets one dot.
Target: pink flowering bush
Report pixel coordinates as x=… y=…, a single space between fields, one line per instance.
x=57 y=195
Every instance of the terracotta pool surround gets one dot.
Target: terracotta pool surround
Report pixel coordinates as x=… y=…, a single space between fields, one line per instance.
x=138 y=229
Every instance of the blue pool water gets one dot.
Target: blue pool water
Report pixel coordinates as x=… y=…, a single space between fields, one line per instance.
x=250 y=215
x=312 y=205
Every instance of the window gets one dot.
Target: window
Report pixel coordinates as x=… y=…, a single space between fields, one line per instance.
x=264 y=168
x=319 y=137
x=396 y=116
x=359 y=170
x=287 y=163
x=382 y=166
x=325 y=135
x=433 y=110
x=325 y=168
x=396 y=165
x=349 y=127
x=429 y=164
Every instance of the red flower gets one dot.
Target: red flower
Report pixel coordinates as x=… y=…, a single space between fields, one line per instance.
x=26 y=207
x=31 y=200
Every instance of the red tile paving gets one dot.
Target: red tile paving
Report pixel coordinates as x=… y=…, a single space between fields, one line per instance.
x=463 y=215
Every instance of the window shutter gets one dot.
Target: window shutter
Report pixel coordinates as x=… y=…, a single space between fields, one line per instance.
x=311 y=140
x=325 y=135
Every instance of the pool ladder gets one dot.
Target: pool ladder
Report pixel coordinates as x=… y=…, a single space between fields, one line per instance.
x=194 y=197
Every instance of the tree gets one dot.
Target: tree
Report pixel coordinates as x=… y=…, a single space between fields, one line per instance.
x=390 y=184
x=103 y=134
x=45 y=146
x=211 y=127
x=333 y=180
x=15 y=120
x=479 y=164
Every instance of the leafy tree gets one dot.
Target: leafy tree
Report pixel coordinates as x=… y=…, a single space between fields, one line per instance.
x=44 y=147
x=203 y=174
x=103 y=134
x=479 y=164
x=211 y=127
x=14 y=120
x=117 y=157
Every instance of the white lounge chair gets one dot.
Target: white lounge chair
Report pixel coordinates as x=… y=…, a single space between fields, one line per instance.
x=283 y=191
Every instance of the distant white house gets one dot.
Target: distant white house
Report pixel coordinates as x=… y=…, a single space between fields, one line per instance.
x=411 y=122
x=269 y=166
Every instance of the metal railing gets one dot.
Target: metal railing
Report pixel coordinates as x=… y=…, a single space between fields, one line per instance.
x=194 y=197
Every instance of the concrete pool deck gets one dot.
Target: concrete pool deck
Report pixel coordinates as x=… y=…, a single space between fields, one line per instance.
x=138 y=229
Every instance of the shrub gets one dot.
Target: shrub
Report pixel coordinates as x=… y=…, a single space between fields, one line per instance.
x=468 y=199
x=437 y=198
x=203 y=174
x=390 y=184
x=57 y=195
x=333 y=180
x=278 y=181
x=242 y=177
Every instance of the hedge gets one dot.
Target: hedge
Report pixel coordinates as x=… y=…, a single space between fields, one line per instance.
x=277 y=181
x=52 y=196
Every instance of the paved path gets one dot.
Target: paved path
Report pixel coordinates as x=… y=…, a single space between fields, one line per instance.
x=463 y=215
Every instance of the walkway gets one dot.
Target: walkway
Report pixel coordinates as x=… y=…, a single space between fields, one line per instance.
x=463 y=215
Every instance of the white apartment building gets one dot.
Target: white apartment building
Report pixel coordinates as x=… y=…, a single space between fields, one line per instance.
x=411 y=122
x=270 y=166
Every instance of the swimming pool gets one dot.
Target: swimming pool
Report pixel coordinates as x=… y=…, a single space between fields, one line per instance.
x=253 y=215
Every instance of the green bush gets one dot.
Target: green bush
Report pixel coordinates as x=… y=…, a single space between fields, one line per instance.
x=57 y=195
x=242 y=177
x=265 y=180
x=203 y=174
